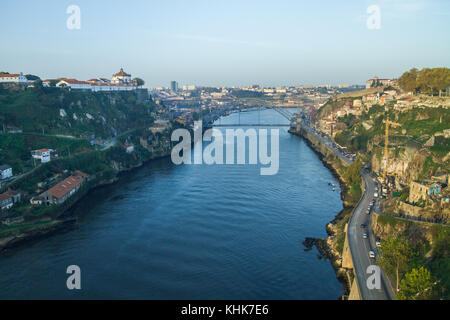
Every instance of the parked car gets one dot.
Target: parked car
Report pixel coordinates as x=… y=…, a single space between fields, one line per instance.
x=378 y=243
x=371 y=255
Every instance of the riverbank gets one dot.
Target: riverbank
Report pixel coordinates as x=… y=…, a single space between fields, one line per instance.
x=332 y=247
x=66 y=219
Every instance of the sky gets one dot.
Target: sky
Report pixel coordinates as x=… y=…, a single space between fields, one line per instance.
x=225 y=43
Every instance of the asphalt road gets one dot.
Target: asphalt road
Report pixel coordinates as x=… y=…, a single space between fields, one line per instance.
x=360 y=247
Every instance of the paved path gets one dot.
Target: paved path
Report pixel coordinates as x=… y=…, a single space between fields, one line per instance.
x=360 y=247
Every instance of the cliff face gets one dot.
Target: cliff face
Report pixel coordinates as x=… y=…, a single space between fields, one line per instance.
x=407 y=161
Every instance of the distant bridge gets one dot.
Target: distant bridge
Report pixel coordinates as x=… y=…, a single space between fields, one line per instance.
x=282 y=111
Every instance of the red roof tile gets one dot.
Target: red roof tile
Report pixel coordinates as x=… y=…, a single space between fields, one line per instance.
x=64 y=187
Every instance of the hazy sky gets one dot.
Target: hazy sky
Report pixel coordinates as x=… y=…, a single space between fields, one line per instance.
x=232 y=42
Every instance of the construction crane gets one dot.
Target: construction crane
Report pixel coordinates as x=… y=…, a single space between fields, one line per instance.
x=386 y=144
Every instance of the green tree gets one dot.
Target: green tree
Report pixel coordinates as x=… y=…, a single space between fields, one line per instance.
x=395 y=255
x=353 y=173
x=417 y=285
x=31 y=77
x=138 y=82
x=408 y=81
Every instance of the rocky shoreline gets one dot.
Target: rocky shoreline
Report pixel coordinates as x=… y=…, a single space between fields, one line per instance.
x=328 y=247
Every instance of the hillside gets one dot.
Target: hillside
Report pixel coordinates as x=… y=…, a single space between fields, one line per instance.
x=414 y=216
x=80 y=114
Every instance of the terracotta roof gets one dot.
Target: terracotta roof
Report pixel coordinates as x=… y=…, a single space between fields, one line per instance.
x=9 y=75
x=121 y=73
x=4 y=196
x=74 y=81
x=8 y=194
x=64 y=187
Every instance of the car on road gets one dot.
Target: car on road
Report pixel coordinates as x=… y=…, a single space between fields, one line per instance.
x=364 y=225
x=378 y=243
x=365 y=236
x=371 y=254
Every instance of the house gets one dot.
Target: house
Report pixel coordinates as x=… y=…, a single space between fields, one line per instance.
x=129 y=148
x=62 y=191
x=9 y=198
x=5 y=172
x=13 y=78
x=421 y=190
x=74 y=84
x=42 y=154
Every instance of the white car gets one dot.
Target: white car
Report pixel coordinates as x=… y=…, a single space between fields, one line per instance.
x=378 y=243
x=365 y=236
x=371 y=255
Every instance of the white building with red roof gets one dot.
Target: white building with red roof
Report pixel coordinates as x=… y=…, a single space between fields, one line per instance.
x=62 y=191
x=13 y=78
x=74 y=84
x=121 y=77
x=121 y=81
x=42 y=154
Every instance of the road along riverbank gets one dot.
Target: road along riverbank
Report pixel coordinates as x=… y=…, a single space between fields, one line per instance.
x=334 y=246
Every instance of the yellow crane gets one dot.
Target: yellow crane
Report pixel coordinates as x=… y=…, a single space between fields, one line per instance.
x=386 y=144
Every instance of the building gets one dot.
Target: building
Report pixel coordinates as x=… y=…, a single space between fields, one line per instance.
x=74 y=84
x=174 y=86
x=423 y=190
x=121 y=77
x=13 y=78
x=63 y=190
x=42 y=154
x=357 y=103
x=9 y=198
x=5 y=172
x=129 y=148
x=375 y=82
x=120 y=81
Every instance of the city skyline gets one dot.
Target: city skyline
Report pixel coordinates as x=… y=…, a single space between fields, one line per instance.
x=226 y=44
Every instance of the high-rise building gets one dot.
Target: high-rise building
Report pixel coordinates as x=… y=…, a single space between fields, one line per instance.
x=174 y=86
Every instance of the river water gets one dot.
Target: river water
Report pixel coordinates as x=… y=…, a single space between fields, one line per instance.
x=192 y=232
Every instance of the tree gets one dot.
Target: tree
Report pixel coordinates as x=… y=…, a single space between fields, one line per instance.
x=395 y=255
x=31 y=77
x=408 y=81
x=417 y=285
x=138 y=82
x=353 y=173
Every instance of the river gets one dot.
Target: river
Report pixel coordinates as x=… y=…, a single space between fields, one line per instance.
x=192 y=232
